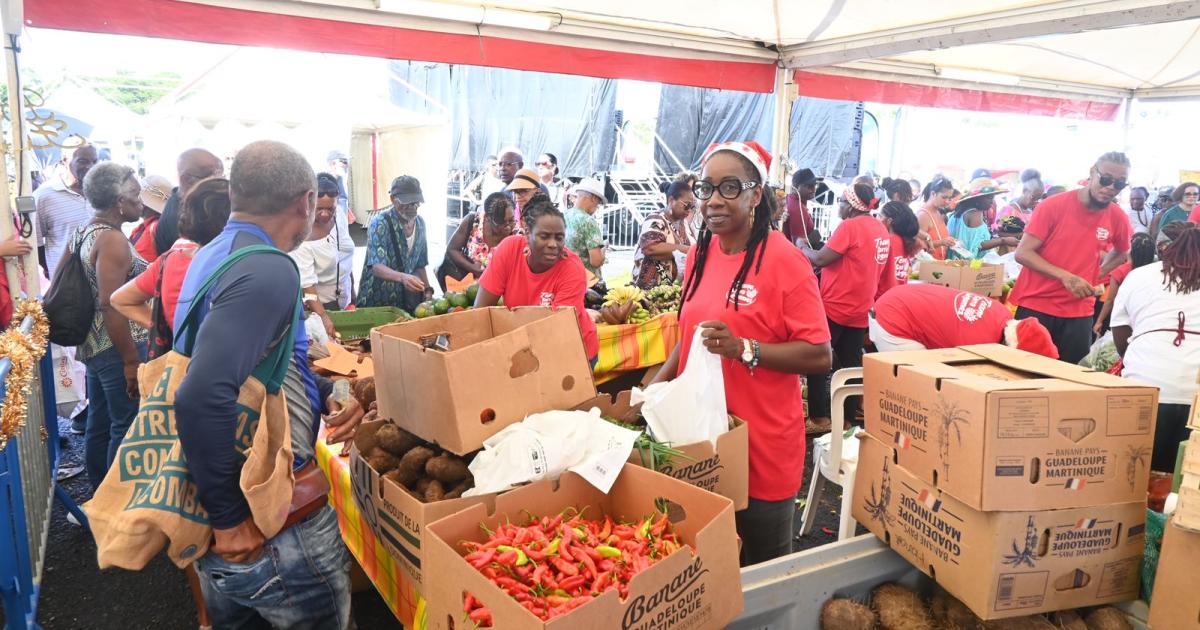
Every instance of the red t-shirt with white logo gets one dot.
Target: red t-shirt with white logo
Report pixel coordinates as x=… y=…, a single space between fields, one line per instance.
x=899 y=267
x=509 y=276
x=848 y=286
x=779 y=303
x=1076 y=240
x=940 y=317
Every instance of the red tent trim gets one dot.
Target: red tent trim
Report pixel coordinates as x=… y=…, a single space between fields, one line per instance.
x=895 y=93
x=220 y=25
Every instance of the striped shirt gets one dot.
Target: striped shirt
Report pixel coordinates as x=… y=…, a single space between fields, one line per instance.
x=60 y=211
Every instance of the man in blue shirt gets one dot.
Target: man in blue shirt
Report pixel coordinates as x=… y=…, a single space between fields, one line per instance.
x=300 y=576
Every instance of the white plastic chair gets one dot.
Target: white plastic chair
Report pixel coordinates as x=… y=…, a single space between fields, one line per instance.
x=833 y=466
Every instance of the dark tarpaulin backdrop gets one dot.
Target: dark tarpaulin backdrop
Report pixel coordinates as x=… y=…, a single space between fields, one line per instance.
x=490 y=108
x=825 y=135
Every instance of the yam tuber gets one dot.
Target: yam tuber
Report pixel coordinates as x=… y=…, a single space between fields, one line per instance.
x=951 y=614
x=900 y=608
x=457 y=491
x=395 y=440
x=364 y=391
x=435 y=491
x=1107 y=618
x=412 y=465
x=448 y=469
x=421 y=485
x=840 y=613
x=382 y=461
x=1030 y=622
x=393 y=476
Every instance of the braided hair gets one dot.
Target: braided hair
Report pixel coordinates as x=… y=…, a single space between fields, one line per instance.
x=538 y=206
x=1181 y=259
x=893 y=187
x=1141 y=250
x=756 y=246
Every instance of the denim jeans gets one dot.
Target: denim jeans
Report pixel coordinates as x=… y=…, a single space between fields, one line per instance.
x=110 y=411
x=301 y=582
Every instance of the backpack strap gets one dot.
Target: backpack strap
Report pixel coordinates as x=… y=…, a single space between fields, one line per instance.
x=273 y=369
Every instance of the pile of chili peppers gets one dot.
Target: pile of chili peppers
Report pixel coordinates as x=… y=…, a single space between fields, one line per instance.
x=553 y=565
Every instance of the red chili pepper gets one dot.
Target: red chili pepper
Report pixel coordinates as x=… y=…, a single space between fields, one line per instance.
x=482 y=615
x=607 y=529
x=509 y=583
x=658 y=528
x=565 y=567
x=468 y=602
x=555 y=600
x=496 y=542
x=600 y=581
x=572 y=583
x=588 y=563
x=483 y=559
x=508 y=558
x=521 y=537
x=535 y=555
x=606 y=564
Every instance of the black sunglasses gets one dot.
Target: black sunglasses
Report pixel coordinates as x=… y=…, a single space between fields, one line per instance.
x=1109 y=180
x=730 y=188
x=327 y=193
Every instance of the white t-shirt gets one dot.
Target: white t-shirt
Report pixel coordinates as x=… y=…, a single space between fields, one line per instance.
x=318 y=264
x=1136 y=220
x=1145 y=304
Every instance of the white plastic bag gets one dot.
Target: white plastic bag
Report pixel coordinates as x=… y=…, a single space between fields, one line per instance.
x=316 y=337
x=691 y=408
x=70 y=380
x=544 y=445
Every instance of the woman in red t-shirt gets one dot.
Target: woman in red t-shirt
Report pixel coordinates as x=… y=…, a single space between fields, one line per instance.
x=1141 y=253
x=537 y=269
x=900 y=221
x=202 y=216
x=854 y=263
x=755 y=299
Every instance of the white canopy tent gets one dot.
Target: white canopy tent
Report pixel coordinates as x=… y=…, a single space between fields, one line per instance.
x=1069 y=58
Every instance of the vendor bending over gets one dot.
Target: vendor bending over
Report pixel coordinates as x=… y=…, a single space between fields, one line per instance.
x=928 y=316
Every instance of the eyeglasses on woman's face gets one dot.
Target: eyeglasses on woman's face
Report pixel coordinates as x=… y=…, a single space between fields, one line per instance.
x=730 y=188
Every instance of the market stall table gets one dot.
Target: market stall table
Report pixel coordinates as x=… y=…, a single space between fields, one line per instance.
x=395 y=589
x=628 y=347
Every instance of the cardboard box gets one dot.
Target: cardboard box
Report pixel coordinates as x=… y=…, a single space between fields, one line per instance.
x=988 y=279
x=1174 y=605
x=1187 y=510
x=723 y=469
x=1001 y=564
x=696 y=588
x=1002 y=429
x=502 y=365
x=396 y=517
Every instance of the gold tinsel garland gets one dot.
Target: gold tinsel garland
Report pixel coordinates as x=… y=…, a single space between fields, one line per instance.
x=25 y=351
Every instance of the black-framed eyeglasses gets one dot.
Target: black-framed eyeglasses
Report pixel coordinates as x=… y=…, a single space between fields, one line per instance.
x=730 y=188
x=327 y=193
x=1109 y=180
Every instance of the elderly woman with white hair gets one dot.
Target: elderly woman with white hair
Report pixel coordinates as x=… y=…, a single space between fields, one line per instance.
x=115 y=346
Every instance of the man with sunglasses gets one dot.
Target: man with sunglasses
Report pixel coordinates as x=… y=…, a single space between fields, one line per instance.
x=193 y=165
x=1073 y=239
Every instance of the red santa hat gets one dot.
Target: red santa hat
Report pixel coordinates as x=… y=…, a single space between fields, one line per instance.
x=759 y=156
x=1031 y=336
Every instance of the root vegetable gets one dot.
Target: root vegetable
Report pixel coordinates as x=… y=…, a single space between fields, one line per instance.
x=846 y=614
x=900 y=608
x=1031 y=622
x=447 y=469
x=1068 y=620
x=421 y=485
x=382 y=461
x=1107 y=618
x=457 y=491
x=435 y=491
x=364 y=391
x=412 y=465
x=394 y=477
x=395 y=440
x=951 y=614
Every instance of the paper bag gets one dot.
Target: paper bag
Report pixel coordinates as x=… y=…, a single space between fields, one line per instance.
x=70 y=380
x=690 y=408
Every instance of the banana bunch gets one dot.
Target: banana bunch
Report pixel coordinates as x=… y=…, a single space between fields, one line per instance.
x=664 y=298
x=622 y=295
x=639 y=316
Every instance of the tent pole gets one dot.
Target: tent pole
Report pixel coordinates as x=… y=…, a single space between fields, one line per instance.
x=23 y=278
x=781 y=131
x=1127 y=104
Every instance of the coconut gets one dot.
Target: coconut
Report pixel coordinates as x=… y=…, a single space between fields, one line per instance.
x=900 y=608
x=840 y=613
x=951 y=614
x=1107 y=618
